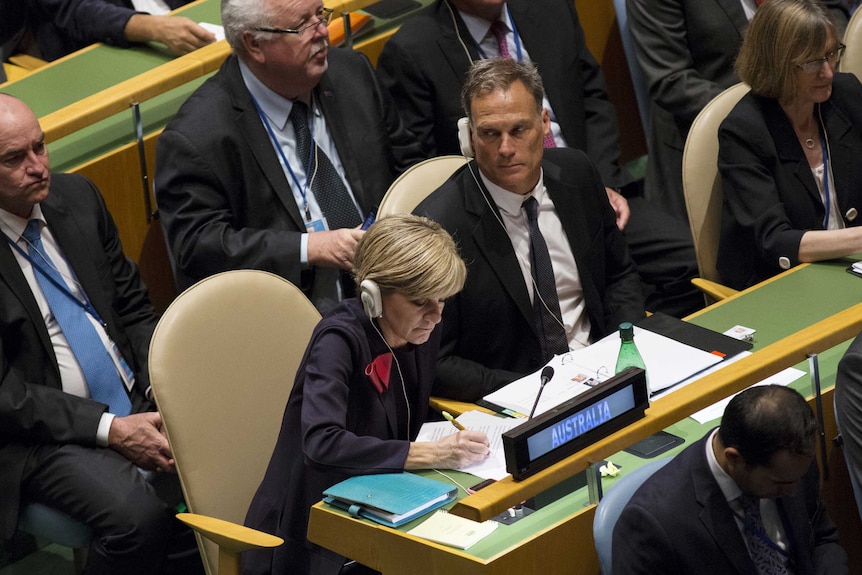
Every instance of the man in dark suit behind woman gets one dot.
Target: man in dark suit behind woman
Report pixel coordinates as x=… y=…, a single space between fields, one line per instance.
x=424 y=64
x=234 y=188
x=494 y=331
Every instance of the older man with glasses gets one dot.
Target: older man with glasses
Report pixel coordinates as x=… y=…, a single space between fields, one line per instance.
x=276 y=161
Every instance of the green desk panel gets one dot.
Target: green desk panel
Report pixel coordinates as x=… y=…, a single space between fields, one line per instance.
x=118 y=130
x=93 y=70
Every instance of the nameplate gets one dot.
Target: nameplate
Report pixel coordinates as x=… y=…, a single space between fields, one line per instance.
x=576 y=423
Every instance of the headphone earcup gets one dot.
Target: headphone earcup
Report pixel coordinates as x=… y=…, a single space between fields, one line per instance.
x=369 y=295
x=464 y=138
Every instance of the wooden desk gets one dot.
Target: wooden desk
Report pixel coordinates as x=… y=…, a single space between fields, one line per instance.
x=791 y=320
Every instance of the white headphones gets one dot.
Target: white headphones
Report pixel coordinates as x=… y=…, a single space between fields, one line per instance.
x=372 y=302
x=464 y=138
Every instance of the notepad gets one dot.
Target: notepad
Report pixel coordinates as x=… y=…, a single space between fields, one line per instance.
x=452 y=530
x=392 y=499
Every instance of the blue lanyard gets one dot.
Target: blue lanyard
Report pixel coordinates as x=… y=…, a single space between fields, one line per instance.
x=514 y=35
x=303 y=190
x=828 y=197
x=40 y=268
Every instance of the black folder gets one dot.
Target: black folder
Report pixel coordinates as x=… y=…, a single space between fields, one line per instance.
x=694 y=335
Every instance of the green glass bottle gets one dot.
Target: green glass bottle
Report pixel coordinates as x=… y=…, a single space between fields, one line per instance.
x=629 y=355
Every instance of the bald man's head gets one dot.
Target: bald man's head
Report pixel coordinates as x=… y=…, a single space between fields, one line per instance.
x=24 y=167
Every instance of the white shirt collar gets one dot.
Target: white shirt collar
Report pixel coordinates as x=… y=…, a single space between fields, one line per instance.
x=510 y=202
x=725 y=482
x=276 y=107
x=479 y=27
x=13 y=225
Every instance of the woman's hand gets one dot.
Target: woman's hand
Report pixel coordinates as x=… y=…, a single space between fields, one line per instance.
x=451 y=452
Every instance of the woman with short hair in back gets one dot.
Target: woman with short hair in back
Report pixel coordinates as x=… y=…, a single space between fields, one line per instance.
x=361 y=392
x=789 y=151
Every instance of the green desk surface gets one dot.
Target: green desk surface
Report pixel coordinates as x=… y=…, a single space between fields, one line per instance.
x=776 y=309
x=94 y=69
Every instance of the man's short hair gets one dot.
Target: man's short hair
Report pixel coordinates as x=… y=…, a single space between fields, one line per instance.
x=486 y=76
x=766 y=419
x=240 y=16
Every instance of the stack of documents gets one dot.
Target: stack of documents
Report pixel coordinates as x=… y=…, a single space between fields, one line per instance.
x=668 y=362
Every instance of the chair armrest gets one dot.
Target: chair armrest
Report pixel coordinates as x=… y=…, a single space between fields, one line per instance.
x=713 y=289
x=229 y=536
x=27 y=62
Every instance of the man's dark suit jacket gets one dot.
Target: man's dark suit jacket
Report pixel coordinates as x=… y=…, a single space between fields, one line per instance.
x=424 y=64
x=336 y=425
x=686 y=49
x=679 y=522
x=63 y=26
x=488 y=331
x=770 y=196
x=33 y=408
x=225 y=201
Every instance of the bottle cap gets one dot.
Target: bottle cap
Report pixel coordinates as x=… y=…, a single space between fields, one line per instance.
x=627 y=331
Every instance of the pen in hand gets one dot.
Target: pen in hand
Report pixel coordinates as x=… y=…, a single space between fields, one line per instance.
x=453 y=421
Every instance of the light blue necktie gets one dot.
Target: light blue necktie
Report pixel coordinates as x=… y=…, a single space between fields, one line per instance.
x=95 y=361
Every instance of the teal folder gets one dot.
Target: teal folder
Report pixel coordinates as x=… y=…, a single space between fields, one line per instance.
x=392 y=499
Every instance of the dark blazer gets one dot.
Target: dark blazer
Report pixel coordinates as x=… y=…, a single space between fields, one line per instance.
x=336 y=425
x=770 y=195
x=848 y=413
x=488 y=333
x=423 y=65
x=224 y=199
x=679 y=522
x=63 y=26
x=686 y=49
x=33 y=408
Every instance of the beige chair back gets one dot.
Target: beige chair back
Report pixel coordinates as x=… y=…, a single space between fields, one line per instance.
x=852 y=59
x=222 y=363
x=702 y=182
x=417 y=183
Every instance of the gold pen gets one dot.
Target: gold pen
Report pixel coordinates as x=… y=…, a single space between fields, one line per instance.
x=453 y=421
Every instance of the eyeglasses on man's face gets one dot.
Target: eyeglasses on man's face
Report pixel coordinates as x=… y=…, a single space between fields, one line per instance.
x=323 y=16
x=832 y=58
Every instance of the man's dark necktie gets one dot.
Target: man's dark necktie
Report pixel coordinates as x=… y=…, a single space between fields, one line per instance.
x=546 y=304
x=325 y=183
x=95 y=361
x=766 y=556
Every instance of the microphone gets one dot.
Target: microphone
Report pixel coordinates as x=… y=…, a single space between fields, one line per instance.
x=546 y=376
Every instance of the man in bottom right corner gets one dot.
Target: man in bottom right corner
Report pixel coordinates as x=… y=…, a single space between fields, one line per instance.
x=848 y=413
x=744 y=499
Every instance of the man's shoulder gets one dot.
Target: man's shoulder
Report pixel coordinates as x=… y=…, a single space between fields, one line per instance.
x=418 y=31
x=671 y=487
x=210 y=97
x=446 y=204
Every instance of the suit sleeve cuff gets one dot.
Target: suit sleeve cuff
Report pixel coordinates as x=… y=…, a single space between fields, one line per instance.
x=104 y=428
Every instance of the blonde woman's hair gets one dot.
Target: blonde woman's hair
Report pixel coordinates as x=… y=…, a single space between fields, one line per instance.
x=410 y=255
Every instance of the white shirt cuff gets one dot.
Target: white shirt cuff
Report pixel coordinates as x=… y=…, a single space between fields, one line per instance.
x=104 y=428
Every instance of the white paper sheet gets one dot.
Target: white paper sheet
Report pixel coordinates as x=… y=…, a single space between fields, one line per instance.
x=668 y=362
x=494 y=467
